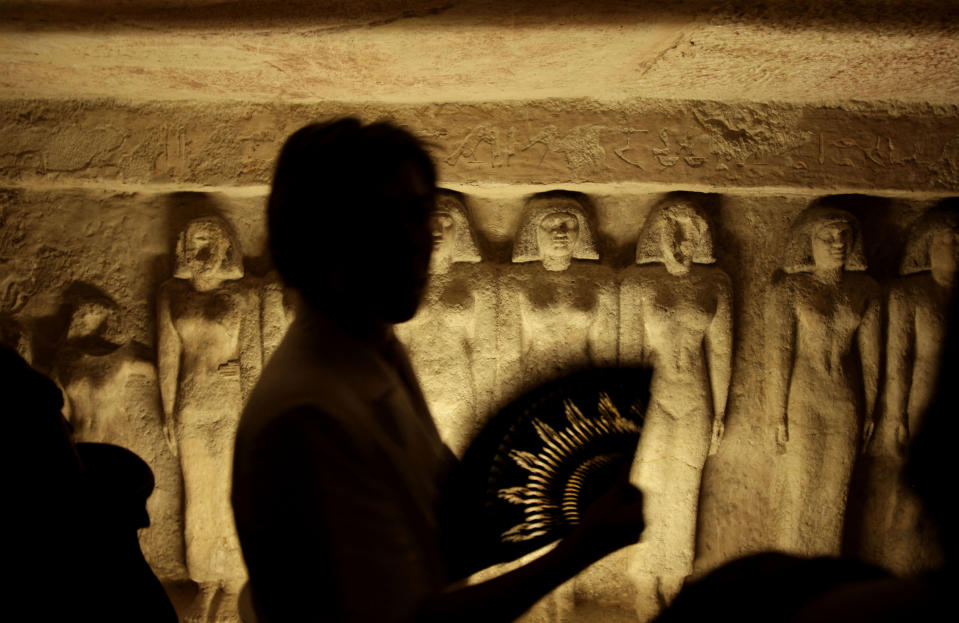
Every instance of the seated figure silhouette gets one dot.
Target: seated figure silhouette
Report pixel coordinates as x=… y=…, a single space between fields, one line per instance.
x=338 y=465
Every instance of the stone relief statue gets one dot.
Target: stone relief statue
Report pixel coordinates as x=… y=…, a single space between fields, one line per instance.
x=111 y=396
x=558 y=312
x=918 y=310
x=676 y=316
x=895 y=532
x=210 y=355
x=452 y=339
x=822 y=339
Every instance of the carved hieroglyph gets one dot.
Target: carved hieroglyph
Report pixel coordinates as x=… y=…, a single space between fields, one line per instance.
x=895 y=532
x=556 y=314
x=451 y=340
x=210 y=355
x=676 y=316
x=822 y=370
x=111 y=396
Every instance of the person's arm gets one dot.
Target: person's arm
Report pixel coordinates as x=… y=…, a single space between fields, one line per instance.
x=321 y=544
x=614 y=521
x=719 y=357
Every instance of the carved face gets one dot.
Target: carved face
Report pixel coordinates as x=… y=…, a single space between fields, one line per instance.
x=830 y=245
x=205 y=246
x=88 y=320
x=557 y=235
x=443 y=229
x=680 y=238
x=943 y=251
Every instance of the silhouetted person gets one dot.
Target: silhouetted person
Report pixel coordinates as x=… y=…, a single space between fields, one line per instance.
x=75 y=509
x=338 y=465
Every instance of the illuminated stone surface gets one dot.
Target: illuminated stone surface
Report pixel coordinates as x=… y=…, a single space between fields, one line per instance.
x=111 y=396
x=676 y=316
x=893 y=531
x=452 y=338
x=822 y=344
x=209 y=357
x=558 y=312
x=123 y=121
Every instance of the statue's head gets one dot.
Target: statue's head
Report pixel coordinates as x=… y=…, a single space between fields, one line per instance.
x=555 y=229
x=933 y=241
x=349 y=219
x=824 y=238
x=95 y=317
x=677 y=234
x=207 y=248
x=451 y=232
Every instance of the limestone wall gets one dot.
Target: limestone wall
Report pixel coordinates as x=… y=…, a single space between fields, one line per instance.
x=94 y=194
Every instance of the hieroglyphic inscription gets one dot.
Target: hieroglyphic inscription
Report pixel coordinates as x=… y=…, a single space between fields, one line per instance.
x=709 y=143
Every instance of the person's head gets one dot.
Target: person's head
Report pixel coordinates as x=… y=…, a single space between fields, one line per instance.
x=207 y=249
x=451 y=232
x=933 y=242
x=348 y=219
x=824 y=237
x=555 y=229
x=676 y=234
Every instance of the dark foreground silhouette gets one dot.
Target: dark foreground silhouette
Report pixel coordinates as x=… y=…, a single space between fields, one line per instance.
x=75 y=509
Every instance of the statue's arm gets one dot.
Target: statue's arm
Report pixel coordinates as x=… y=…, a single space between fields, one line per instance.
x=603 y=328
x=780 y=338
x=631 y=329
x=869 y=345
x=718 y=345
x=169 y=349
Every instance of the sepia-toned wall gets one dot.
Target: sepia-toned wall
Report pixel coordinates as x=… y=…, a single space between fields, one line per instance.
x=625 y=183
x=93 y=212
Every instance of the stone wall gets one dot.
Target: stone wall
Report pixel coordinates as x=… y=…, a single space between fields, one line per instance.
x=94 y=194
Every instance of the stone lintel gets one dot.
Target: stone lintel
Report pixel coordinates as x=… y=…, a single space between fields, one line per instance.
x=873 y=147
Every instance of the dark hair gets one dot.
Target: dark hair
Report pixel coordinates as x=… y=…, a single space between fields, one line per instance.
x=325 y=181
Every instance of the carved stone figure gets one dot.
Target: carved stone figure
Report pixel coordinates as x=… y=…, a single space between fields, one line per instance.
x=822 y=370
x=918 y=310
x=557 y=313
x=210 y=355
x=676 y=316
x=451 y=340
x=111 y=396
x=895 y=533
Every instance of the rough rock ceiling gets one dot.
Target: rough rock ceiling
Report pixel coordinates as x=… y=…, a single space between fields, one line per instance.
x=475 y=50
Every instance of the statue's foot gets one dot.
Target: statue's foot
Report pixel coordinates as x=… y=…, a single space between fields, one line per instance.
x=199 y=609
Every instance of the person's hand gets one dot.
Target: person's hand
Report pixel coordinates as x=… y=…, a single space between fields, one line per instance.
x=782 y=436
x=613 y=521
x=719 y=429
x=867 y=432
x=170 y=436
x=902 y=437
